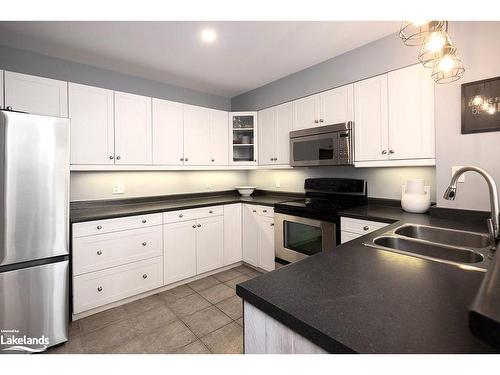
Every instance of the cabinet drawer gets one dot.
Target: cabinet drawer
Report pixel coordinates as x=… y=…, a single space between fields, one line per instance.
x=102 y=287
x=90 y=228
x=263 y=210
x=360 y=226
x=192 y=214
x=94 y=253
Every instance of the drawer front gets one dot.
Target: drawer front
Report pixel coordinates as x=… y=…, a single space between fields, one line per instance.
x=94 y=253
x=192 y=214
x=262 y=210
x=360 y=226
x=90 y=228
x=348 y=236
x=102 y=287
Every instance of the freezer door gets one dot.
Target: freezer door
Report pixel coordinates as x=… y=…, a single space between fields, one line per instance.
x=34 y=307
x=34 y=187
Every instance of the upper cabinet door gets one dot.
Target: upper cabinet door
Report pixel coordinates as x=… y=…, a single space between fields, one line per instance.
x=168 y=132
x=306 y=112
x=411 y=113
x=196 y=135
x=92 y=125
x=284 y=121
x=1 y=89
x=219 y=138
x=37 y=95
x=337 y=105
x=371 y=122
x=267 y=136
x=133 y=133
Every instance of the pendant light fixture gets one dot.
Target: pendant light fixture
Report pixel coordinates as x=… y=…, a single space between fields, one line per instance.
x=413 y=33
x=448 y=69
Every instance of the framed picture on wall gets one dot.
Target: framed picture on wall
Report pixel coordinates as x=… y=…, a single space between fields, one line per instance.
x=481 y=106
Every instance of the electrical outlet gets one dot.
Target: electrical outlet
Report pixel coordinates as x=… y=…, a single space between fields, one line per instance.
x=208 y=185
x=455 y=168
x=277 y=183
x=118 y=188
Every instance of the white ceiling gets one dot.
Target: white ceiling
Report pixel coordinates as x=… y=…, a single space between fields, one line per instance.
x=245 y=56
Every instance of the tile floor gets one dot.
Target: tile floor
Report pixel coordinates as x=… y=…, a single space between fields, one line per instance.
x=204 y=316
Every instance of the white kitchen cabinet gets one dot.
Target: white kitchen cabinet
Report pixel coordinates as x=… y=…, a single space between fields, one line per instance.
x=243 y=137
x=411 y=113
x=371 y=119
x=329 y=107
x=196 y=135
x=92 y=125
x=209 y=244
x=1 y=90
x=37 y=95
x=258 y=236
x=250 y=235
x=337 y=105
x=179 y=251
x=133 y=130
x=168 y=132
x=219 y=138
x=232 y=233
x=266 y=243
x=351 y=229
x=275 y=124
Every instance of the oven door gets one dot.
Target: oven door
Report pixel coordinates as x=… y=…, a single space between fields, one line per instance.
x=297 y=237
x=318 y=149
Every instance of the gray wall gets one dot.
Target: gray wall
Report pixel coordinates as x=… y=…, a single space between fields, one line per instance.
x=378 y=57
x=27 y=62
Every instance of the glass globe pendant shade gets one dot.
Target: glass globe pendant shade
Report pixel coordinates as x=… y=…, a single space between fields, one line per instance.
x=447 y=69
x=413 y=33
x=436 y=45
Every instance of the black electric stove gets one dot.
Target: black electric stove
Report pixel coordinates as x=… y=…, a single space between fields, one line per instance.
x=304 y=227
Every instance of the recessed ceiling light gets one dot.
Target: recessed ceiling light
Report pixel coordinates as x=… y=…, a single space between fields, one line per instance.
x=208 y=35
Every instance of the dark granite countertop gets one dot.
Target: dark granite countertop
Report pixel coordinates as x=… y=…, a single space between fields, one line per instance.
x=364 y=300
x=113 y=208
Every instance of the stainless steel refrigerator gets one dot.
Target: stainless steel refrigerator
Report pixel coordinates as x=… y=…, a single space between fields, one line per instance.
x=34 y=231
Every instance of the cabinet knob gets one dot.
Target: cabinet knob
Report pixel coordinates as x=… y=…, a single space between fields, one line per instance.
x=181 y=159
x=8 y=108
x=144 y=221
x=99 y=227
x=275 y=159
x=199 y=225
x=194 y=225
x=186 y=159
x=210 y=212
x=118 y=157
x=271 y=159
x=181 y=215
x=144 y=243
x=99 y=288
x=391 y=151
x=264 y=211
x=384 y=152
x=213 y=160
x=366 y=227
x=316 y=121
x=144 y=276
x=321 y=120
x=99 y=252
x=111 y=157
x=254 y=210
x=272 y=224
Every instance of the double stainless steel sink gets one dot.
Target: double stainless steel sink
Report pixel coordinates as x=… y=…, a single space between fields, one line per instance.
x=439 y=244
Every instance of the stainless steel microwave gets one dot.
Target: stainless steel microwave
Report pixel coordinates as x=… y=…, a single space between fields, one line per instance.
x=323 y=145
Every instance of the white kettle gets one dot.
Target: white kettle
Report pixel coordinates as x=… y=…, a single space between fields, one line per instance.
x=415 y=197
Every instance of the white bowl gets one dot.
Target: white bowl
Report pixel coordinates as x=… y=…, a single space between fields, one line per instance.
x=246 y=191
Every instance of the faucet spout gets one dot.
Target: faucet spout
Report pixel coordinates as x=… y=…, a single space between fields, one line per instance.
x=494 y=222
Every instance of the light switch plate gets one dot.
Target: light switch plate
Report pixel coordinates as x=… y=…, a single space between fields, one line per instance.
x=118 y=188
x=455 y=168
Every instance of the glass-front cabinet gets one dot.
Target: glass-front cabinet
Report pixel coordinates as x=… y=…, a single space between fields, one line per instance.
x=243 y=133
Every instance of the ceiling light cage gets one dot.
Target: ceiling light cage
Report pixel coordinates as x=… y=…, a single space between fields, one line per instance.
x=448 y=69
x=435 y=46
x=413 y=33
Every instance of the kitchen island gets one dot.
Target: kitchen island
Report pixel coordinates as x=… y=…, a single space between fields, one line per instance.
x=359 y=299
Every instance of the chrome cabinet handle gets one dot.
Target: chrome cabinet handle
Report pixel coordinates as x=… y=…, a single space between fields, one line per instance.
x=111 y=157
x=213 y=160
x=272 y=224
x=384 y=152
x=366 y=227
x=321 y=120
x=144 y=243
x=144 y=221
x=316 y=121
x=194 y=225
x=99 y=252
x=186 y=159
x=99 y=227
x=181 y=215
x=181 y=159
x=118 y=157
x=99 y=288
x=264 y=211
x=144 y=276
x=391 y=151
x=271 y=159
x=8 y=108
x=199 y=225
x=254 y=210
x=210 y=212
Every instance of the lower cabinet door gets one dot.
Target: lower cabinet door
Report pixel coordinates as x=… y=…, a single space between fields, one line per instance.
x=232 y=233
x=99 y=288
x=266 y=243
x=179 y=251
x=250 y=235
x=209 y=244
